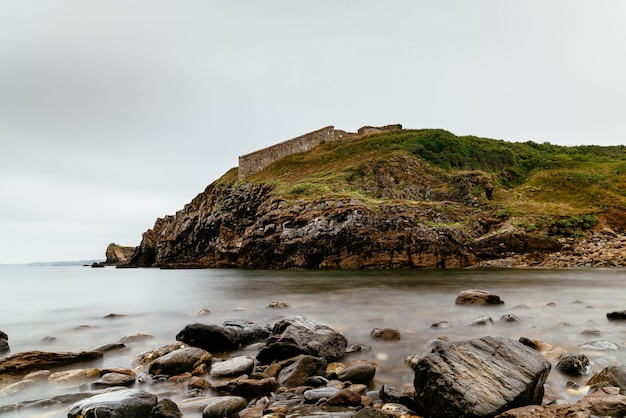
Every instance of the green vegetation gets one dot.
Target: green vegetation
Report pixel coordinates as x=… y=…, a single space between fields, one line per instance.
x=537 y=187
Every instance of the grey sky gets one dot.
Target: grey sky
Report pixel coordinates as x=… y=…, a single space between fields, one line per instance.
x=114 y=113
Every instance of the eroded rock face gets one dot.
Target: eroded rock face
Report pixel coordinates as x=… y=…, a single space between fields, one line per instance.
x=118 y=254
x=478 y=378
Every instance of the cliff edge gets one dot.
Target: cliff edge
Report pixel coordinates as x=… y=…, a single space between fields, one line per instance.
x=402 y=199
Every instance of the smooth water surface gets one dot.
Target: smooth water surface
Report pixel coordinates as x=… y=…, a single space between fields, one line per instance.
x=71 y=303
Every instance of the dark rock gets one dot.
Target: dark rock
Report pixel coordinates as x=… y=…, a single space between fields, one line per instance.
x=114 y=379
x=111 y=347
x=392 y=394
x=573 y=364
x=478 y=378
x=387 y=334
x=4 y=336
x=180 y=361
x=345 y=397
x=166 y=408
x=4 y=346
x=477 y=297
x=528 y=342
x=609 y=376
x=357 y=348
x=359 y=372
x=616 y=316
x=369 y=412
x=224 y=406
x=302 y=367
x=316 y=381
x=123 y=403
x=248 y=388
x=114 y=316
x=298 y=335
x=218 y=339
x=28 y=361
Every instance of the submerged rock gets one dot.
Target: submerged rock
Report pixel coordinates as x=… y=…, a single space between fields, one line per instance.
x=478 y=378
x=478 y=297
x=22 y=363
x=228 y=337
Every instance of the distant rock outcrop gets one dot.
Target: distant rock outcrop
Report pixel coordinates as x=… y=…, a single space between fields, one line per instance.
x=118 y=254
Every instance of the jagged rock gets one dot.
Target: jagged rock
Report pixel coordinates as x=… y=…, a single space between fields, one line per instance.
x=573 y=364
x=387 y=334
x=609 y=376
x=180 y=361
x=166 y=408
x=298 y=335
x=478 y=378
x=232 y=367
x=477 y=297
x=359 y=372
x=22 y=363
x=218 y=339
x=392 y=394
x=123 y=403
x=300 y=369
x=118 y=254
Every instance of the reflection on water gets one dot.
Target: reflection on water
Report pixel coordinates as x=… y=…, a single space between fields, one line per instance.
x=70 y=303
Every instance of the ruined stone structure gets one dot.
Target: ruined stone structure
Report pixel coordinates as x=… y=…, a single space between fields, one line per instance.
x=256 y=161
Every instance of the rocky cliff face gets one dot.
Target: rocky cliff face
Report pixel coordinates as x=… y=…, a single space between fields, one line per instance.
x=118 y=254
x=245 y=225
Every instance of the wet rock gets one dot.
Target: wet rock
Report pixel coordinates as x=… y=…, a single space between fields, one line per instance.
x=135 y=337
x=609 y=376
x=300 y=369
x=314 y=395
x=123 y=403
x=22 y=363
x=4 y=346
x=509 y=318
x=166 y=408
x=478 y=378
x=278 y=305
x=600 y=345
x=573 y=364
x=219 y=339
x=386 y=334
x=232 y=367
x=145 y=358
x=248 y=388
x=616 y=315
x=345 y=397
x=441 y=324
x=359 y=372
x=224 y=406
x=75 y=375
x=478 y=297
x=369 y=412
x=480 y=321
x=298 y=335
x=114 y=379
x=397 y=410
x=111 y=347
x=180 y=361
x=392 y=394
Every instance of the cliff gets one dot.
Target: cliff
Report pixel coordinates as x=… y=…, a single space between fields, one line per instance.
x=402 y=199
x=118 y=254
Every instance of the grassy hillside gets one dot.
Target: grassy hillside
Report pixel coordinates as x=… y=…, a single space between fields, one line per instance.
x=557 y=189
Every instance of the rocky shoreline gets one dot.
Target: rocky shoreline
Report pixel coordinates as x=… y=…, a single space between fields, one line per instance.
x=296 y=367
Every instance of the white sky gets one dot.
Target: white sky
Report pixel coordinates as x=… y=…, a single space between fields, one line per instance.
x=114 y=113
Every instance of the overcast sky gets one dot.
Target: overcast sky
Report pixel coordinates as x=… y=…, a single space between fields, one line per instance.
x=114 y=113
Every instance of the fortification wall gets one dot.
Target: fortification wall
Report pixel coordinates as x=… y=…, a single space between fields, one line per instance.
x=258 y=160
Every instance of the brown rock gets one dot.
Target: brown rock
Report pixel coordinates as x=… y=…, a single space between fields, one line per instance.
x=23 y=363
x=386 y=334
x=477 y=297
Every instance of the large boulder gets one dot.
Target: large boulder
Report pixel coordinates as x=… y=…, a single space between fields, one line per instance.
x=180 y=361
x=124 y=403
x=478 y=297
x=227 y=337
x=298 y=335
x=478 y=378
x=28 y=361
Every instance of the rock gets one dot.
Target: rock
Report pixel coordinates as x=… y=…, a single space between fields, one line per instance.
x=359 y=372
x=248 y=388
x=4 y=346
x=219 y=339
x=300 y=369
x=180 y=361
x=369 y=412
x=600 y=345
x=398 y=410
x=478 y=378
x=114 y=379
x=145 y=358
x=573 y=364
x=386 y=334
x=22 y=363
x=314 y=395
x=123 y=403
x=345 y=397
x=616 y=316
x=278 y=305
x=75 y=375
x=166 y=408
x=392 y=394
x=609 y=376
x=477 y=297
x=509 y=318
x=118 y=254
x=111 y=347
x=480 y=321
x=4 y=336
x=135 y=337
x=232 y=367
x=224 y=406
x=298 y=335
x=441 y=324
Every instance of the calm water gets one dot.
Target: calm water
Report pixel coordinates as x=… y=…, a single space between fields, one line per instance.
x=70 y=303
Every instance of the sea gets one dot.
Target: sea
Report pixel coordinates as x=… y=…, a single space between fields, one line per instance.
x=76 y=308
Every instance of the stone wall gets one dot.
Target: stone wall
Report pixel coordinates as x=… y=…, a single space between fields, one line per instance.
x=256 y=161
